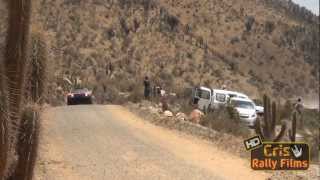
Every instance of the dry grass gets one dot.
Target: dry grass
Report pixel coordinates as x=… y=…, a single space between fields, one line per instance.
x=226 y=120
x=185 y=41
x=177 y=43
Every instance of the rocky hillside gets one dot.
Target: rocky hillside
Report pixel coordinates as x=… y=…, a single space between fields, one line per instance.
x=249 y=45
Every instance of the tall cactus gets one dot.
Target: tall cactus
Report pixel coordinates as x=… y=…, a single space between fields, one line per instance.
x=292 y=131
x=37 y=74
x=14 y=69
x=3 y=121
x=267 y=130
x=16 y=53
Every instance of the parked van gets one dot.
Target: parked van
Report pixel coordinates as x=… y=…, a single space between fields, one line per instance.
x=208 y=99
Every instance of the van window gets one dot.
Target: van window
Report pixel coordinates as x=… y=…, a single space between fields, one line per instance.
x=221 y=97
x=203 y=94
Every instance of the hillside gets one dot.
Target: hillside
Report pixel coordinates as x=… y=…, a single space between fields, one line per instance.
x=252 y=46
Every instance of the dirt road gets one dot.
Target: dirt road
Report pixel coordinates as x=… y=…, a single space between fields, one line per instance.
x=110 y=143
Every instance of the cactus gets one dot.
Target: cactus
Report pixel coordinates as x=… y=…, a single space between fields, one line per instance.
x=3 y=121
x=27 y=141
x=16 y=54
x=14 y=68
x=267 y=130
x=36 y=86
x=292 y=131
x=13 y=75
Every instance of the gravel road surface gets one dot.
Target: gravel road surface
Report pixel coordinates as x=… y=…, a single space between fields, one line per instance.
x=110 y=143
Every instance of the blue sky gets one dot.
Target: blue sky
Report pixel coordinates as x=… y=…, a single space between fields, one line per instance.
x=312 y=5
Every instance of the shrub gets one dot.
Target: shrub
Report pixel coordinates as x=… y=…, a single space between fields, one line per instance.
x=313 y=142
x=124 y=27
x=235 y=40
x=226 y=120
x=136 y=95
x=167 y=78
x=168 y=22
x=249 y=21
x=127 y=85
x=146 y=4
x=269 y=27
x=311 y=119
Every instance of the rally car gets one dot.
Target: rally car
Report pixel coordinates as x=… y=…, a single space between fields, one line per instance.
x=79 y=96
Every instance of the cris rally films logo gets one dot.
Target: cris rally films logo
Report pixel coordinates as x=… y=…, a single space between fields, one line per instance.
x=277 y=156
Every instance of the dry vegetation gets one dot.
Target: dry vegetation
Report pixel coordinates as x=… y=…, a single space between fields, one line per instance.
x=109 y=45
x=22 y=87
x=251 y=46
x=256 y=47
x=226 y=120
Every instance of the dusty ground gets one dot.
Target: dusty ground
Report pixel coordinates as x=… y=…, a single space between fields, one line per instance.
x=108 y=142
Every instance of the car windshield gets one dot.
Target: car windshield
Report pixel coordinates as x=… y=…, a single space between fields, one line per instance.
x=80 y=91
x=243 y=104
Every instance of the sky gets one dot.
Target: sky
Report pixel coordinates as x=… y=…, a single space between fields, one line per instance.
x=312 y=5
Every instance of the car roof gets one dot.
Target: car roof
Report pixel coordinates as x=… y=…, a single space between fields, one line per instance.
x=222 y=91
x=241 y=99
x=239 y=95
x=79 y=90
x=229 y=92
x=205 y=88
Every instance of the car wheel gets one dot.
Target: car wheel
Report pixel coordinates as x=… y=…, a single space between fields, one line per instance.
x=88 y=101
x=206 y=110
x=69 y=103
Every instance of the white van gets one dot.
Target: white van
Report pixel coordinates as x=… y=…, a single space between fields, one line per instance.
x=208 y=99
x=202 y=96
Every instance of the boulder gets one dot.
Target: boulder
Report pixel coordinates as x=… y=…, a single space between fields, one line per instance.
x=154 y=110
x=196 y=115
x=181 y=116
x=168 y=113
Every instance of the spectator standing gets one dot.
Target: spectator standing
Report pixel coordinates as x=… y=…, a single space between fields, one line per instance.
x=298 y=107
x=147 y=87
